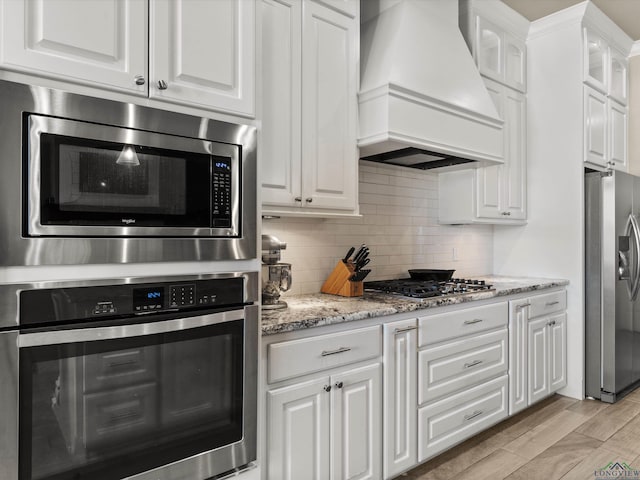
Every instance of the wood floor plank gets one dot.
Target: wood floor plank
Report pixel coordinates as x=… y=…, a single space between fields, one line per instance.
x=588 y=408
x=536 y=441
x=625 y=441
x=523 y=422
x=558 y=459
x=458 y=458
x=634 y=396
x=610 y=420
x=495 y=466
x=595 y=461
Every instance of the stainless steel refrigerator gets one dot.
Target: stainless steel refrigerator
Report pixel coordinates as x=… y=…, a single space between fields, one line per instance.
x=612 y=284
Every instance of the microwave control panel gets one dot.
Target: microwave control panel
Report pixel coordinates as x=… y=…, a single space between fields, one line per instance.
x=221 y=193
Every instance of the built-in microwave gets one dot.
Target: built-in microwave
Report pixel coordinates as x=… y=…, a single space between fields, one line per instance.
x=90 y=180
x=87 y=179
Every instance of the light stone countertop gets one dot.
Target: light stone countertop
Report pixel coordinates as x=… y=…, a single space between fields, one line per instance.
x=318 y=309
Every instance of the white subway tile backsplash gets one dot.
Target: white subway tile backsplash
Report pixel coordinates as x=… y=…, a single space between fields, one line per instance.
x=399 y=223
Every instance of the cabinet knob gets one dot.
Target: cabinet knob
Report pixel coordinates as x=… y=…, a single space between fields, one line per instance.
x=162 y=85
x=327 y=388
x=298 y=199
x=308 y=200
x=552 y=323
x=140 y=80
x=338 y=384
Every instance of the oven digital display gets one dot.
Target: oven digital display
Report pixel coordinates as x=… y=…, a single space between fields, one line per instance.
x=150 y=298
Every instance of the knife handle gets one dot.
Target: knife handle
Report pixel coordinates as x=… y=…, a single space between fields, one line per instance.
x=348 y=255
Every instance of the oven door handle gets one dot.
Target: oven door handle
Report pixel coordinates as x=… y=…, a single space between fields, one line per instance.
x=92 y=334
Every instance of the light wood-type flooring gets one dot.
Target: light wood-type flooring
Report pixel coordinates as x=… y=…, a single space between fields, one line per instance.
x=559 y=438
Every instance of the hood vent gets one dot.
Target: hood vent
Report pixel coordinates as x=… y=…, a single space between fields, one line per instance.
x=422 y=99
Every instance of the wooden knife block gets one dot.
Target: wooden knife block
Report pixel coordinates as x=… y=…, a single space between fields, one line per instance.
x=338 y=283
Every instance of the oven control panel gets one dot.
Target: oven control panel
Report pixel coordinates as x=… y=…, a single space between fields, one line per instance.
x=103 y=301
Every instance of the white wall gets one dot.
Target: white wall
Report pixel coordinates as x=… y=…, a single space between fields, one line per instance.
x=399 y=208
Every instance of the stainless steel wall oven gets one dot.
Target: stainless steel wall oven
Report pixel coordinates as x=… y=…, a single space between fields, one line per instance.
x=141 y=378
x=88 y=180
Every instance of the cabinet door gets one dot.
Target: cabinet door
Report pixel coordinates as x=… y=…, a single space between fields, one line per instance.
x=515 y=63
x=518 y=357
x=400 y=397
x=618 y=76
x=514 y=186
x=329 y=106
x=595 y=60
x=204 y=52
x=490 y=179
x=356 y=438
x=618 y=135
x=557 y=352
x=538 y=357
x=298 y=431
x=281 y=98
x=595 y=127
x=490 y=49
x=101 y=43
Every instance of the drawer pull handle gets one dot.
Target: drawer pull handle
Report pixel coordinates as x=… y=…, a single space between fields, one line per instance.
x=472 y=364
x=551 y=304
x=326 y=353
x=471 y=322
x=475 y=414
x=523 y=305
x=405 y=329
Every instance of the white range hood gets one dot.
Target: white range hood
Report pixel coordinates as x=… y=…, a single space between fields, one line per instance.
x=422 y=101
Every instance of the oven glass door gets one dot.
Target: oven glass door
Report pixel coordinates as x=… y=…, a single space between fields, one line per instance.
x=115 y=407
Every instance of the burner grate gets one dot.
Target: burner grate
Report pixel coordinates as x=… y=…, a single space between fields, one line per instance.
x=426 y=288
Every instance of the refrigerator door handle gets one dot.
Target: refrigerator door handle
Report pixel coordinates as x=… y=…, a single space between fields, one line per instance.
x=632 y=226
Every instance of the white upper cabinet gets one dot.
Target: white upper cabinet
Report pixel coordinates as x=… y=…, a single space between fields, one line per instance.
x=194 y=52
x=202 y=53
x=496 y=35
x=309 y=107
x=102 y=43
x=595 y=60
x=618 y=76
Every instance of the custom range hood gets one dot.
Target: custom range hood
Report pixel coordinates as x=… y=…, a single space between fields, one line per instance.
x=422 y=101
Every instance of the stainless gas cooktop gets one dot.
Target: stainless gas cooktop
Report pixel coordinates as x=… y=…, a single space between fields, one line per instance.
x=427 y=288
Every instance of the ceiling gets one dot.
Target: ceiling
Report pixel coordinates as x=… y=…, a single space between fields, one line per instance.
x=626 y=13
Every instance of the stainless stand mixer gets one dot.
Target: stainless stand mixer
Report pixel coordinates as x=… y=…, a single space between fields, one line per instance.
x=276 y=276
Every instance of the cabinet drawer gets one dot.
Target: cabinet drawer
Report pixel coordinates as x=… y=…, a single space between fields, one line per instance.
x=437 y=328
x=547 y=303
x=456 y=418
x=451 y=367
x=299 y=357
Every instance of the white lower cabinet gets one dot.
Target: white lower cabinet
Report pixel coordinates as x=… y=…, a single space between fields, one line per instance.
x=400 y=397
x=327 y=425
x=537 y=345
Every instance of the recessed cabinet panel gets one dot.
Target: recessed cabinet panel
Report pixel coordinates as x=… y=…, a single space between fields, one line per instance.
x=514 y=187
x=618 y=77
x=102 y=43
x=281 y=113
x=595 y=127
x=538 y=371
x=518 y=356
x=490 y=49
x=557 y=352
x=200 y=53
x=618 y=135
x=515 y=63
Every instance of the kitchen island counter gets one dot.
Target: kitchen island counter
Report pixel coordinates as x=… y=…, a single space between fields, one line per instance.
x=319 y=309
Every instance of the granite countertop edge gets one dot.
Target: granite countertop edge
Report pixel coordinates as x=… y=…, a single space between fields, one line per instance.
x=319 y=309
